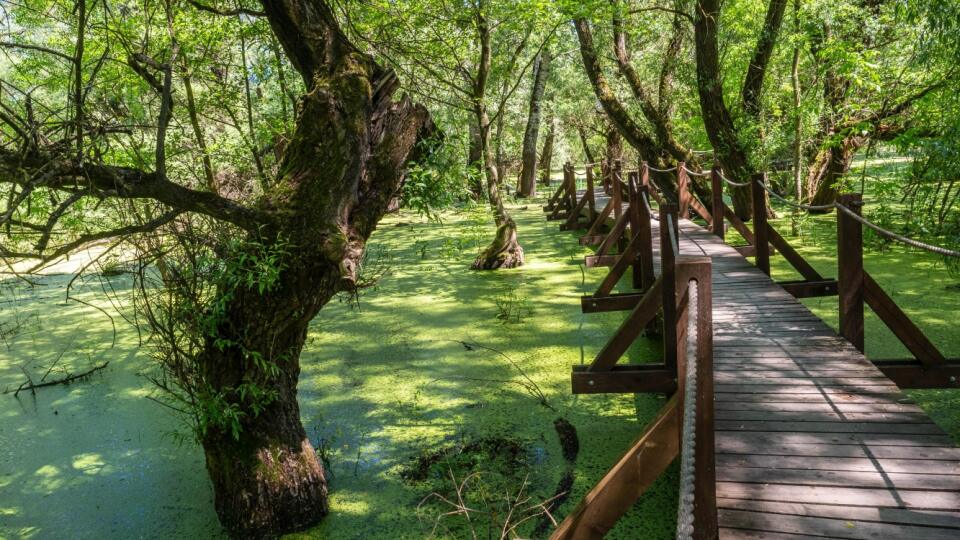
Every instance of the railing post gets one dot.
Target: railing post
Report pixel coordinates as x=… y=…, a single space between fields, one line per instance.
x=704 y=514
x=716 y=186
x=850 y=270
x=571 y=187
x=668 y=216
x=617 y=192
x=645 y=246
x=761 y=238
x=605 y=176
x=635 y=227
x=591 y=199
x=683 y=190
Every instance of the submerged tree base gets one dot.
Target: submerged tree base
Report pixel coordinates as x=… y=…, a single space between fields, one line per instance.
x=504 y=252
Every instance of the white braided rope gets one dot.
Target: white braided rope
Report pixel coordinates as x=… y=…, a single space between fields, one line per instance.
x=695 y=173
x=688 y=433
x=732 y=183
x=671 y=169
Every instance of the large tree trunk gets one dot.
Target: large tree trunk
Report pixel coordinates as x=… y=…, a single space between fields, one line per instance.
x=344 y=164
x=729 y=149
x=614 y=146
x=528 y=170
x=829 y=168
x=546 y=155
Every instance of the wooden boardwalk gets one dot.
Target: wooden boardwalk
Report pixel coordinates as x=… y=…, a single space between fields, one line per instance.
x=812 y=440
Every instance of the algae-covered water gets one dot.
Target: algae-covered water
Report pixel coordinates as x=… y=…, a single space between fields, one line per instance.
x=384 y=382
x=412 y=372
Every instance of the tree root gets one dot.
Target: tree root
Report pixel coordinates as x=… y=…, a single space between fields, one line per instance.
x=503 y=252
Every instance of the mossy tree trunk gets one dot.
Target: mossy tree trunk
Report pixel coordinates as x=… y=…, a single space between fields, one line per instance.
x=337 y=177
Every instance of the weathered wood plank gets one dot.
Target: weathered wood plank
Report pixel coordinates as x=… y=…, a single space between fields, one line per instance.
x=857 y=513
x=923 y=500
x=830 y=528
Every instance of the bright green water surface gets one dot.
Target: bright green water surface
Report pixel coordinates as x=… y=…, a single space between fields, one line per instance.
x=382 y=383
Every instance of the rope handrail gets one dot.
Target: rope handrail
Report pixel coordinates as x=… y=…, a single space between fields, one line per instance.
x=688 y=433
x=898 y=237
x=731 y=182
x=880 y=230
x=695 y=173
x=801 y=206
x=671 y=169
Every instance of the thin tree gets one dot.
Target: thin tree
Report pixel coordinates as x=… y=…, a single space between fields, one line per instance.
x=528 y=171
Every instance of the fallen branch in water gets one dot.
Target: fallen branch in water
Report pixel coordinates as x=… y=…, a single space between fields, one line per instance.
x=32 y=387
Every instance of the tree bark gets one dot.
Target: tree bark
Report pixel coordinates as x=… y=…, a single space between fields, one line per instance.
x=585 y=143
x=528 y=171
x=729 y=148
x=797 y=117
x=615 y=110
x=475 y=161
x=546 y=155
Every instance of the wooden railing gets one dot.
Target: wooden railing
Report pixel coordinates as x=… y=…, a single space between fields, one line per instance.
x=622 y=245
x=684 y=426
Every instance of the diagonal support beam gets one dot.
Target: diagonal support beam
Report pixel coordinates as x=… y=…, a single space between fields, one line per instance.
x=626 y=481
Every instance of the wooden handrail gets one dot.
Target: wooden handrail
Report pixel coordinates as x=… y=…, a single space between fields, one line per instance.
x=664 y=439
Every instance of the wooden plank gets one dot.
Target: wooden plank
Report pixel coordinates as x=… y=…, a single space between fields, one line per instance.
x=890 y=428
x=830 y=528
x=727 y=533
x=859 y=439
x=810 y=289
x=772 y=447
x=924 y=500
x=857 y=513
x=597 y=261
x=629 y=478
x=834 y=463
x=624 y=379
x=613 y=302
x=860 y=479
x=850 y=271
x=913 y=374
x=823 y=416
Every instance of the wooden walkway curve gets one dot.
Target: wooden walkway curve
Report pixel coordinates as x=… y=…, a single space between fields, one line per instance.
x=812 y=440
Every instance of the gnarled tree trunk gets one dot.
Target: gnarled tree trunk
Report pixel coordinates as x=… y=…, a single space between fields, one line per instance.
x=337 y=176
